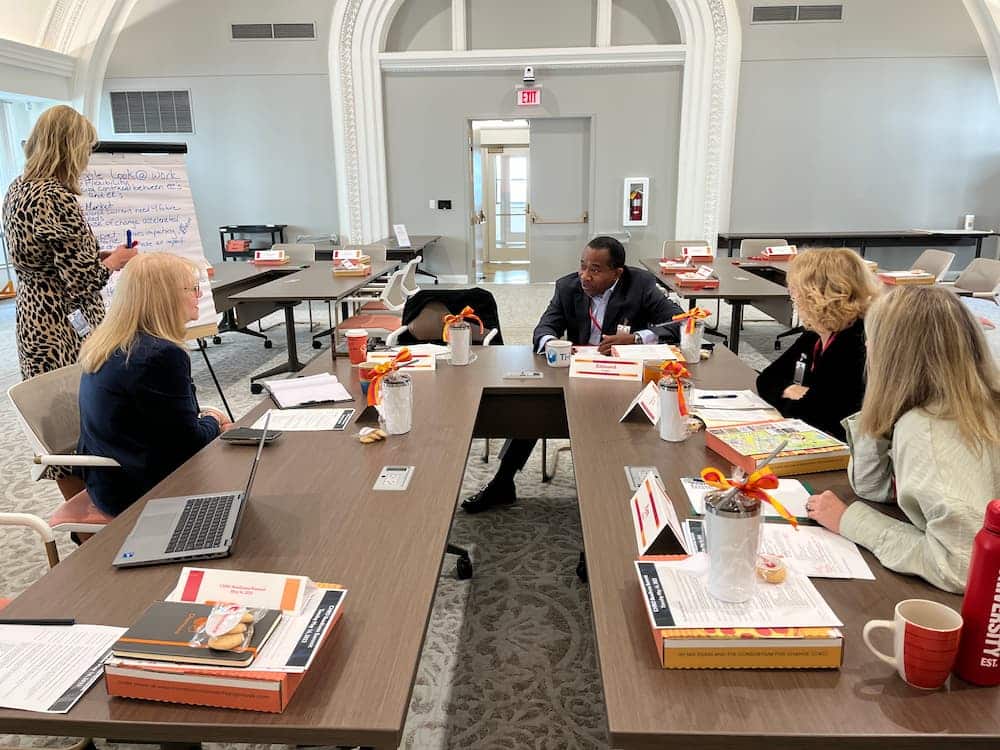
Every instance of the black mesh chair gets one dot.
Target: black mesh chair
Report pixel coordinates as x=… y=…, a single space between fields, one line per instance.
x=422 y=324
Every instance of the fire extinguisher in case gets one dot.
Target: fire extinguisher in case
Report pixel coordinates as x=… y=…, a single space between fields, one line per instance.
x=635 y=205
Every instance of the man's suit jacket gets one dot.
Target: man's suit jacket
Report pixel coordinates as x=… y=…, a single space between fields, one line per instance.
x=637 y=301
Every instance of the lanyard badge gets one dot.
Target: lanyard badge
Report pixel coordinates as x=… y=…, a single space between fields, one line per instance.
x=79 y=323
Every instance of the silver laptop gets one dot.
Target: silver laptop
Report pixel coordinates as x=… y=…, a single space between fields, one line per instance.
x=196 y=527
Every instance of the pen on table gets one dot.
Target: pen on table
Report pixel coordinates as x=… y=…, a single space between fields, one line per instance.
x=36 y=621
x=724 y=395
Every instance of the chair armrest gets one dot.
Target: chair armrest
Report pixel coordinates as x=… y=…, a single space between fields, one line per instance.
x=985 y=295
x=393 y=337
x=31 y=521
x=74 y=460
x=490 y=336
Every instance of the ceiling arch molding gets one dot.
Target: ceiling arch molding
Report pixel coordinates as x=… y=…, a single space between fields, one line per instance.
x=985 y=15
x=711 y=35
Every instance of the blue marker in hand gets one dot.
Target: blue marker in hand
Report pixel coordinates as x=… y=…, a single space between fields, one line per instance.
x=128 y=238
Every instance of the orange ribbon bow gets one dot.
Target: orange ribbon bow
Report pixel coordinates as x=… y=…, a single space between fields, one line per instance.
x=381 y=370
x=753 y=486
x=679 y=373
x=692 y=316
x=467 y=314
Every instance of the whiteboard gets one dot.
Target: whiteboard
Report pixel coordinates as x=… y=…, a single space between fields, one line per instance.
x=150 y=195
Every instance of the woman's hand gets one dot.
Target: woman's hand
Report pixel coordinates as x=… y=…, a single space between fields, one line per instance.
x=795 y=392
x=225 y=422
x=117 y=258
x=826 y=509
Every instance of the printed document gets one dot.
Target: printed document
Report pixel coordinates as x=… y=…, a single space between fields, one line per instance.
x=793 y=603
x=301 y=420
x=48 y=668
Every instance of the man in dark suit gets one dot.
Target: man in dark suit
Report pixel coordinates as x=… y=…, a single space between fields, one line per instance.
x=603 y=304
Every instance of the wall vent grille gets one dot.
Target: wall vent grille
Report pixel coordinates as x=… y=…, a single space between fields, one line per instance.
x=272 y=31
x=151 y=111
x=797 y=13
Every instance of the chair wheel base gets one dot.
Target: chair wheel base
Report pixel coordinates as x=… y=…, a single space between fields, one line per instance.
x=581 y=569
x=463 y=568
x=268 y=343
x=317 y=344
x=216 y=339
x=256 y=388
x=777 y=346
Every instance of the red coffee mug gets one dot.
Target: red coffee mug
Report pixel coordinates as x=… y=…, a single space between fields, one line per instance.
x=925 y=641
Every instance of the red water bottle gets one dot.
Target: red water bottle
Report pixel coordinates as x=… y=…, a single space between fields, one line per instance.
x=978 y=659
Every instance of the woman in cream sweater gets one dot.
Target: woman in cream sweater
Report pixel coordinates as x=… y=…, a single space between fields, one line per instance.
x=927 y=438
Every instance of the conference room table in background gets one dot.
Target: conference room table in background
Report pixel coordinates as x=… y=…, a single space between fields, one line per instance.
x=314 y=281
x=313 y=513
x=915 y=238
x=419 y=245
x=741 y=283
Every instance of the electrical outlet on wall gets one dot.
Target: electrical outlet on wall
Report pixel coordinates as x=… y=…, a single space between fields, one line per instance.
x=432 y=203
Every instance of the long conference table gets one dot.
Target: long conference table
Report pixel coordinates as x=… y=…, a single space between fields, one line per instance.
x=313 y=512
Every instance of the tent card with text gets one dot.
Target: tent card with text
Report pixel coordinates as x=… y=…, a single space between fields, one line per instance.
x=645 y=405
x=657 y=528
x=149 y=195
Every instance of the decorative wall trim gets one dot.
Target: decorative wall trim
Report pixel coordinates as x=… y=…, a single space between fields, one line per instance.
x=710 y=54
x=515 y=59
x=28 y=57
x=985 y=15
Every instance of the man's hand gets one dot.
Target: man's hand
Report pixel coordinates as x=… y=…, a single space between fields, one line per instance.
x=618 y=339
x=826 y=509
x=795 y=392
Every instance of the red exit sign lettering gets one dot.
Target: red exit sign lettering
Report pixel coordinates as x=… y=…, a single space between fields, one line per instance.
x=529 y=97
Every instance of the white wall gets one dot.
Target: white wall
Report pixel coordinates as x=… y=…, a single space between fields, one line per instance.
x=23 y=20
x=262 y=150
x=888 y=120
x=635 y=129
x=643 y=22
x=420 y=25
x=521 y=24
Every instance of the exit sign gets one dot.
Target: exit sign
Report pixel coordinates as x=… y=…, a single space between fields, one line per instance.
x=529 y=97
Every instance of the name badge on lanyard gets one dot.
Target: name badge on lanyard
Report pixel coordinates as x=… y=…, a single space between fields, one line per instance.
x=79 y=323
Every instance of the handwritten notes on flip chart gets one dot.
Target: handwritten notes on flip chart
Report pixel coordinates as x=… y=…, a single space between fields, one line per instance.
x=149 y=195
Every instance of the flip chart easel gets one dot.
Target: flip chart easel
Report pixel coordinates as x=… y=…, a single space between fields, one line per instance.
x=143 y=188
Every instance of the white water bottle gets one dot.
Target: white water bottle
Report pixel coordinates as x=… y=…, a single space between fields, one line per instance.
x=673 y=426
x=732 y=536
x=395 y=406
x=459 y=340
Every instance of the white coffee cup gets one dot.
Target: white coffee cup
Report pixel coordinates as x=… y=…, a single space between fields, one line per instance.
x=557 y=352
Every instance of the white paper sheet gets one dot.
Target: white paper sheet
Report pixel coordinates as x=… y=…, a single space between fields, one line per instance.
x=295 y=642
x=726 y=417
x=793 y=603
x=726 y=399
x=812 y=550
x=791 y=493
x=48 y=668
x=301 y=420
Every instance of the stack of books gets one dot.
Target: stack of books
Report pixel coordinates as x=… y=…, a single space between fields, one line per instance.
x=351 y=263
x=237 y=246
x=807 y=449
x=907 y=278
x=783 y=626
x=165 y=656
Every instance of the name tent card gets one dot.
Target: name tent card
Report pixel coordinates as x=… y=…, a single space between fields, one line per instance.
x=587 y=365
x=402 y=238
x=644 y=406
x=658 y=531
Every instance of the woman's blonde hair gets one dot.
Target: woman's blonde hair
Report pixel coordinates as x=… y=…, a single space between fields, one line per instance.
x=150 y=297
x=833 y=287
x=926 y=350
x=59 y=147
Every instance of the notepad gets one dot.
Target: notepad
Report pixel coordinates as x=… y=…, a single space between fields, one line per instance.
x=315 y=389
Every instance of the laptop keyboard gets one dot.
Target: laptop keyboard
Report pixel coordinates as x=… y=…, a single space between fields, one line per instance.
x=201 y=524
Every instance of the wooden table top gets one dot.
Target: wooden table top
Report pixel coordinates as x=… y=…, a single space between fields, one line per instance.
x=225 y=275
x=312 y=512
x=417 y=242
x=735 y=282
x=314 y=282
x=858 y=234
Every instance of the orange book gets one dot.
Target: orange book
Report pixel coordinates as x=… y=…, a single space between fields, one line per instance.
x=736 y=648
x=697 y=283
x=906 y=278
x=222 y=688
x=808 y=450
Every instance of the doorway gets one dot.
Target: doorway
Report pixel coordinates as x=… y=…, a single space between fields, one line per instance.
x=500 y=189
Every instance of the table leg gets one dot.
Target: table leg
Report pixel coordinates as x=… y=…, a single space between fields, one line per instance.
x=735 y=323
x=979 y=246
x=292 y=364
x=211 y=371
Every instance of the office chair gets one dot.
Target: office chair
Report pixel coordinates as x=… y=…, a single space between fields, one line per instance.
x=934 y=262
x=385 y=318
x=48 y=408
x=672 y=248
x=981 y=278
x=422 y=324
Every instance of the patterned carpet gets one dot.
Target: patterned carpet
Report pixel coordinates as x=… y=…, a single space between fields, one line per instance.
x=509 y=657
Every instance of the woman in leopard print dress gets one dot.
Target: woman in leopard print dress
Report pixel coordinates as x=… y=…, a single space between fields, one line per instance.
x=54 y=252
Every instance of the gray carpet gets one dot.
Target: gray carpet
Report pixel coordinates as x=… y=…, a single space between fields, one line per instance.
x=509 y=657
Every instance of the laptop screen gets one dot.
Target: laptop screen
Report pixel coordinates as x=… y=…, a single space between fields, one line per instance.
x=256 y=459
